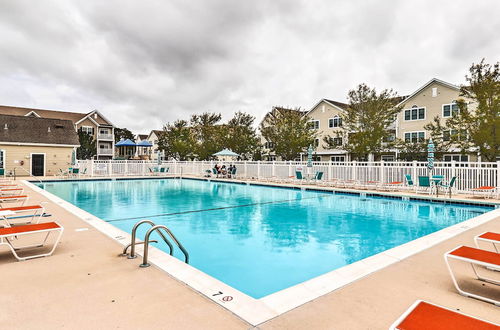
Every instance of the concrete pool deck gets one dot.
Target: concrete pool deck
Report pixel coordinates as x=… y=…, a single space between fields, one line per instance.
x=85 y=284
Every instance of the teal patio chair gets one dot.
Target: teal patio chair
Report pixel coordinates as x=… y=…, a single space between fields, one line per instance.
x=317 y=177
x=448 y=186
x=299 y=177
x=409 y=182
x=424 y=183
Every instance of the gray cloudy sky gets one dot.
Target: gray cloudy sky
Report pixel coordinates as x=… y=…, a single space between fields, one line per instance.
x=143 y=63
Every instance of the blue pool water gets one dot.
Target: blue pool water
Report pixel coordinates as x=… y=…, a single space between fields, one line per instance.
x=261 y=239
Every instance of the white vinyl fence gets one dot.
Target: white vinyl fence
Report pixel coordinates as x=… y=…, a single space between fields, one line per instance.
x=469 y=174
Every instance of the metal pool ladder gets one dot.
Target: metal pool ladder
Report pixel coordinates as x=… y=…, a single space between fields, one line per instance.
x=160 y=229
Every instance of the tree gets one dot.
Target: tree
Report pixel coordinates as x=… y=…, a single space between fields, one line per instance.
x=209 y=136
x=177 y=140
x=123 y=134
x=367 y=120
x=241 y=136
x=289 y=132
x=88 y=146
x=477 y=128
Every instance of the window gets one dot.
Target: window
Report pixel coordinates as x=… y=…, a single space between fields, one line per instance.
x=434 y=92
x=335 y=122
x=88 y=130
x=316 y=143
x=337 y=141
x=454 y=134
x=414 y=137
x=457 y=158
x=2 y=158
x=337 y=159
x=316 y=158
x=104 y=131
x=314 y=124
x=268 y=145
x=415 y=113
x=388 y=158
x=390 y=137
x=450 y=110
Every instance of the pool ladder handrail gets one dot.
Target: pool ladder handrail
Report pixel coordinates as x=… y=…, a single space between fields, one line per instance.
x=146 y=242
x=133 y=242
x=172 y=236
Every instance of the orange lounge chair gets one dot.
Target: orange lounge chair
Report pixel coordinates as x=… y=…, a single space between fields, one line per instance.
x=424 y=315
x=17 y=213
x=13 y=199
x=488 y=237
x=10 y=191
x=7 y=235
x=475 y=257
x=485 y=189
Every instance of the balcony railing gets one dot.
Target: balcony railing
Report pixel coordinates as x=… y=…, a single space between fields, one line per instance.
x=105 y=136
x=102 y=151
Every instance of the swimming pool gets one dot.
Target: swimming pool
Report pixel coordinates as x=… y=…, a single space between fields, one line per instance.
x=260 y=239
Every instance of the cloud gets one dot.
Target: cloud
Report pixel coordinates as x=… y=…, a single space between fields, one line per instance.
x=143 y=64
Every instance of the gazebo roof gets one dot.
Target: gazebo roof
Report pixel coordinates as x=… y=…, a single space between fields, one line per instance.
x=125 y=143
x=144 y=143
x=226 y=152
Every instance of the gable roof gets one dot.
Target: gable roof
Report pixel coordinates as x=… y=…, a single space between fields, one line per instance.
x=35 y=130
x=75 y=117
x=156 y=132
x=338 y=105
x=433 y=80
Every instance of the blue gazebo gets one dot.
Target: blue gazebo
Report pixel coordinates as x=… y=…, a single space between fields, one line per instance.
x=126 y=148
x=144 y=148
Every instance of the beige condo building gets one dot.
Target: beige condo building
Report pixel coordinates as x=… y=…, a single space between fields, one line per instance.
x=435 y=98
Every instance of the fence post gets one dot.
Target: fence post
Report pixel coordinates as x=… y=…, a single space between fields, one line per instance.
x=258 y=169
x=414 y=170
x=273 y=169
x=245 y=168
x=110 y=169
x=382 y=170
x=92 y=168
x=290 y=171
x=354 y=170
x=330 y=169
x=496 y=184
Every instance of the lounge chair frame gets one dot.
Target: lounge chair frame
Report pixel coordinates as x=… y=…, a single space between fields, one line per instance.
x=5 y=240
x=474 y=263
x=494 y=242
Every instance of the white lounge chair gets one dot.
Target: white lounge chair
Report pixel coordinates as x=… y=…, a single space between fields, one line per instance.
x=22 y=214
x=475 y=257
x=14 y=199
x=9 y=234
